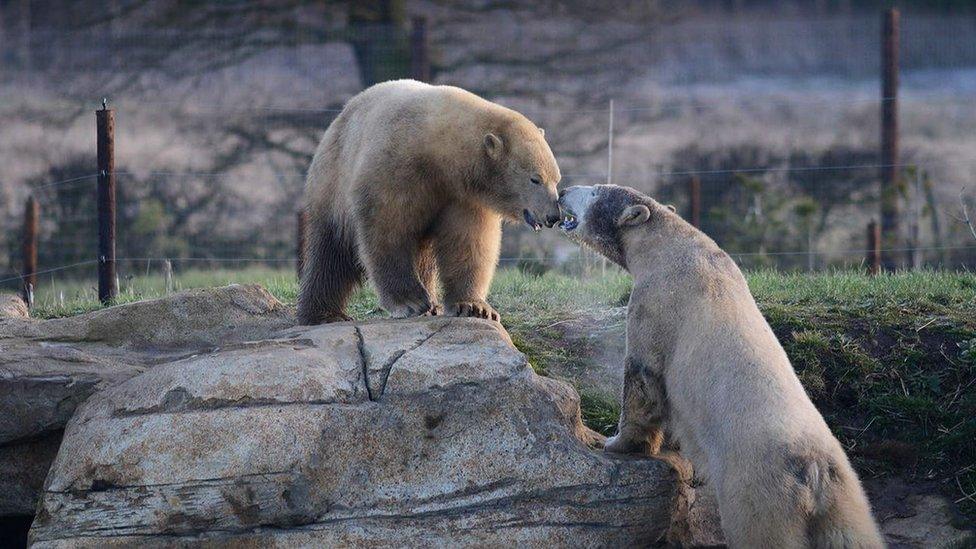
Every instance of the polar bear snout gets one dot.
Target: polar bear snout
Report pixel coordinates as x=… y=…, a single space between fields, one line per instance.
x=543 y=210
x=573 y=203
x=548 y=217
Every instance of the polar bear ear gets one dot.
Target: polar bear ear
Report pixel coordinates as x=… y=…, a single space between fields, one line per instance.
x=493 y=145
x=671 y=208
x=542 y=131
x=634 y=215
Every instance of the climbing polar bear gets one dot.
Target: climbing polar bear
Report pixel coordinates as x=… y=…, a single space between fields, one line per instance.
x=409 y=186
x=704 y=366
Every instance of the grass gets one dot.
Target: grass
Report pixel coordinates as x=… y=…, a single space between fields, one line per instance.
x=65 y=298
x=890 y=360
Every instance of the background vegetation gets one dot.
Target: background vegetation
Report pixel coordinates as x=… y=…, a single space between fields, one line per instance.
x=219 y=106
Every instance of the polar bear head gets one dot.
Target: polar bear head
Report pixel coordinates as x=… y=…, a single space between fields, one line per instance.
x=525 y=173
x=600 y=216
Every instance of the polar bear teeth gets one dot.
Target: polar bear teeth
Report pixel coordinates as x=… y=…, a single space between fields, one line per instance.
x=530 y=219
x=569 y=223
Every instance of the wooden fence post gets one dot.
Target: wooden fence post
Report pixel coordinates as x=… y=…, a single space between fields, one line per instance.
x=914 y=252
x=694 y=200
x=419 y=54
x=299 y=242
x=105 y=132
x=889 y=134
x=874 y=248
x=31 y=221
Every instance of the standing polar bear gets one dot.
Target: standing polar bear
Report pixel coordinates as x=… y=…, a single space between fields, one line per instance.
x=411 y=183
x=703 y=365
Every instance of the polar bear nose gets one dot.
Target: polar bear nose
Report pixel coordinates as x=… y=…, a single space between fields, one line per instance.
x=552 y=220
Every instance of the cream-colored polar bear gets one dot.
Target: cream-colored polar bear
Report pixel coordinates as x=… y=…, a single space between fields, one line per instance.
x=704 y=366
x=409 y=186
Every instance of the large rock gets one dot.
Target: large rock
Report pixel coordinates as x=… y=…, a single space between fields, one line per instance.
x=187 y=320
x=429 y=432
x=42 y=382
x=49 y=367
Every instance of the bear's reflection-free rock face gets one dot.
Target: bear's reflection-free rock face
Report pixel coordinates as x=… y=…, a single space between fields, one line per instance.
x=409 y=186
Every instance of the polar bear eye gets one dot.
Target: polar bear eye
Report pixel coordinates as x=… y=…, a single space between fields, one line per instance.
x=535 y=179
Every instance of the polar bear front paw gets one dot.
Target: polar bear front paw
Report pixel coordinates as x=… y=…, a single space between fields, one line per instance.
x=477 y=309
x=620 y=445
x=329 y=318
x=414 y=307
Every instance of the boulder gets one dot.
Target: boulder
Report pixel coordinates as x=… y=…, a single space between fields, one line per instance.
x=49 y=367
x=193 y=319
x=431 y=432
x=42 y=382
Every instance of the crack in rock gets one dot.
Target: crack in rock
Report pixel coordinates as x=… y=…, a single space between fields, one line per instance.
x=179 y=400
x=363 y=361
x=376 y=392
x=388 y=368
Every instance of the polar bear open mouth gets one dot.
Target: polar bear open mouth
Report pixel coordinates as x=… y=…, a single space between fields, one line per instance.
x=575 y=204
x=569 y=222
x=531 y=220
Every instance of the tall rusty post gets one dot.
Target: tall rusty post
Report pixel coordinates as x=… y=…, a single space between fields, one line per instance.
x=299 y=241
x=419 y=51
x=694 y=200
x=889 y=135
x=105 y=135
x=29 y=248
x=874 y=248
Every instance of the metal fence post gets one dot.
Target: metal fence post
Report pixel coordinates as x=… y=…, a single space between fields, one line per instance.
x=29 y=276
x=105 y=133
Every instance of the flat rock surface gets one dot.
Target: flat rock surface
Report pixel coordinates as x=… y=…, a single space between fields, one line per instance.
x=430 y=432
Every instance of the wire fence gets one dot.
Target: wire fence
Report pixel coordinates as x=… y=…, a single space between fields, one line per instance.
x=210 y=173
x=756 y=212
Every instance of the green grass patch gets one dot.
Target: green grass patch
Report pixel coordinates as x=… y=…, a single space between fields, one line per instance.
x=599 y=412
x=59 y=298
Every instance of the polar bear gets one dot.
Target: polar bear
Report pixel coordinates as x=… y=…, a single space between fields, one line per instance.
x=703 y=366
x=410 y=184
